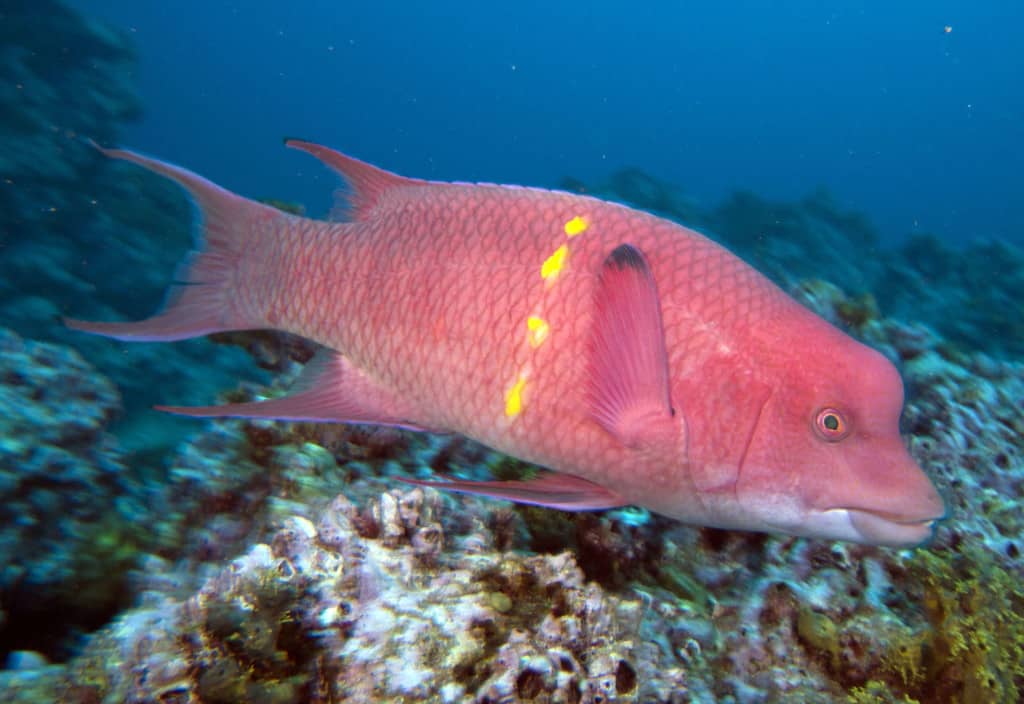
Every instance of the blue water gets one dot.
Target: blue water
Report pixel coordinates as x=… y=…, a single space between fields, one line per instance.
x=912 y=112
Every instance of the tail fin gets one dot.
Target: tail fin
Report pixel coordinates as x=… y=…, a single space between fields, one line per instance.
x=203 y=298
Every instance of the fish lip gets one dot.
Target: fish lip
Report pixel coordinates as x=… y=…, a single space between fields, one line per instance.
x=889 y=529
x=858 y=525
x=892 y=517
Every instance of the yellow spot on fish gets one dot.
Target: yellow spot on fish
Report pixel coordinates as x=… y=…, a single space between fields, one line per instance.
x=514 y=398
x=539 y=330
x=554 y=264
x=576 y=226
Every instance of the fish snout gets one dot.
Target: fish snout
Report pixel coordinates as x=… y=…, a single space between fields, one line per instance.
x=905 y=512
x=887 y=499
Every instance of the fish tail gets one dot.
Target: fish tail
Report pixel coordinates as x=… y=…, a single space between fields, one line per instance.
x=205 y=296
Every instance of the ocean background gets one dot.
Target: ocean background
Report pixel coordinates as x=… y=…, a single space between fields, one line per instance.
x=918 y=125
x=864 y=155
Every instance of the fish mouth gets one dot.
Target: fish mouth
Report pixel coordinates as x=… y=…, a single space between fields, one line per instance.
x=858 y=525
x=890 y=530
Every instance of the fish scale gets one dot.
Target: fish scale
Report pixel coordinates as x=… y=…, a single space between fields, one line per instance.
x=484 y=282
x=479 y=308
x=638 y=359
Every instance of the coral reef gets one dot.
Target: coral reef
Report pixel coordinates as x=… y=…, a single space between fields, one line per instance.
x=66 y=500
x=266 y=562
x=794 y=241
x=972 y=296
x=373 y=605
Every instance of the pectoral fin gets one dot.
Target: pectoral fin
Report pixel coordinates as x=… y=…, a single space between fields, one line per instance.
x=628 y=390
x=562 y=491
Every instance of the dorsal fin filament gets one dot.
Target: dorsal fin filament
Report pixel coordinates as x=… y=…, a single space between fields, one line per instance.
x=366 y=182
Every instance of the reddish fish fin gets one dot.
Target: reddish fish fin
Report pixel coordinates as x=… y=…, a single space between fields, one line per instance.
x=200 y=302
x=366 y=182
x=562 y=491
x=329 y=389
x=628 y=389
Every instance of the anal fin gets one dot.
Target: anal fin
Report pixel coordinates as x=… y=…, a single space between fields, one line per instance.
x=552 y=490
x=331 y=390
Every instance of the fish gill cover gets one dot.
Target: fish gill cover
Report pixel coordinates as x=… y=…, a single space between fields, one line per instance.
x=258 y=561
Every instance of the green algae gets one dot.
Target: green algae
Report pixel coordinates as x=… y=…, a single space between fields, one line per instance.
x=970 y=647
x=507 y=468
x=975 y=647
x=684 y=587
x=254 y=652
x=109 y=548
x=500 y=602
x=820 y=632
x=858 y=312
x=876 y=692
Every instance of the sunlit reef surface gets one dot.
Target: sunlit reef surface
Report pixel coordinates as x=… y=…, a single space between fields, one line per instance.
x=265 y=562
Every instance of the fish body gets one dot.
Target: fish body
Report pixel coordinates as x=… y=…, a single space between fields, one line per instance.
x=639 y=360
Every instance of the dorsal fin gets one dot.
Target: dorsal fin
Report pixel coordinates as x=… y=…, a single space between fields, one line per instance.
x=366 y=182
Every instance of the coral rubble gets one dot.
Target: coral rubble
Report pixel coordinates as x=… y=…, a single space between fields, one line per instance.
x=375 y=609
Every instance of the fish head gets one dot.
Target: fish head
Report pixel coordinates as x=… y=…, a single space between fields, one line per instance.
x=826 y=458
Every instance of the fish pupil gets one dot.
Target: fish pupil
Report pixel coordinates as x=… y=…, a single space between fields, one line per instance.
x=831 y=422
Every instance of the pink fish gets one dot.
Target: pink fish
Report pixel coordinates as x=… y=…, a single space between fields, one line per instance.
x=638 y=360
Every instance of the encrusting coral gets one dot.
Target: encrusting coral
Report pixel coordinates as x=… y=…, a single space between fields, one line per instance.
x=325 y=613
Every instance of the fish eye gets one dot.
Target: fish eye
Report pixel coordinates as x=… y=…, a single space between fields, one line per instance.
x=831 y=425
